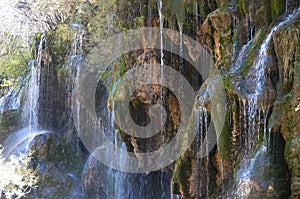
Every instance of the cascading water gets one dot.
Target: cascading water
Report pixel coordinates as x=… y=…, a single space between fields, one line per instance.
x=250 y=173
x=261 y=60
x=205 y=115
x=202 y=163
x=180 y=26
x=162 y=97
x=20 y=140
x=240 y=58
x=203 y=178
x=117 y=184
x=161 y=26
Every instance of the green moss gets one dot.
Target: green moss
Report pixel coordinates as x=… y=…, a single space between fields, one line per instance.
x=56 y=149
x=182 y=172
x=139 y=22
x=60 y=44
x=13 y=68
x=190 y=7
x=226 y=45
x=276 y=7
x=242 y=6
x=118 y=71
x=38 y=36
x=227 y=81
x=224 y=142
x=62 y=39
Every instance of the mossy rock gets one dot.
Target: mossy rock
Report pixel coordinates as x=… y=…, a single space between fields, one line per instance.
x=61 y=40
x=60 y=165
x=181 y=174
x=9 y=122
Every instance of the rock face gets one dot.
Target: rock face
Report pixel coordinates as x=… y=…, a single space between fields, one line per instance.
x=99 y=181
x=218 y=29
x=285 y=118
x=59 y=167
x=9 y=122
x=58 y=155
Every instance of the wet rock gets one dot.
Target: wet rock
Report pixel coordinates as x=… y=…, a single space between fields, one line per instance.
x=94 y=179
x=59 y=166
x=284 y=116
x=268 y=96
x=9 y=122
x=101 y=181
x=218 y=33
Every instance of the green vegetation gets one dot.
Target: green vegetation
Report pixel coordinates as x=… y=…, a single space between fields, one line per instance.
x=13 y=66
x=15 y=50
x=276 y=7
x=242 y=6
x=181 y=173
x=139 y=22
x=17 y=179
x=98 y=18
x=225 y=139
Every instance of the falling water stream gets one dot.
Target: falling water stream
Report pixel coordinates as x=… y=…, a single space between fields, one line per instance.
x=241 y=58
x=161 y=26
x=251 y=124
x=261 y=60
x=180 y=26
x=20 y=140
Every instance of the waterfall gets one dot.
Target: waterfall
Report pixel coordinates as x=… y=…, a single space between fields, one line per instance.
x=161 y=26
x=256 y=157
x=199 y=142
x=251 y=111
x=20 y=140
x=288 y=7
x=205 y=115
x=115 y=183
x=180 y=26
x=33 y=90
x=251 y=168
x=245 y=184
x=261 y=60
x=241 y=57
x=202 y=163
x=200 y=19
x=77 y=51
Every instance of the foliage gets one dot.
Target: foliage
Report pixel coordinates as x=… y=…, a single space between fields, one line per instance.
x=17 y=179
x=139 y=22
x=30 y=17
x=276 y=7
x=13 y=66
x=98 y=18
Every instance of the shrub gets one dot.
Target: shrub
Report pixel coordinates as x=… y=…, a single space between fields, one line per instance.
x=17 y=179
